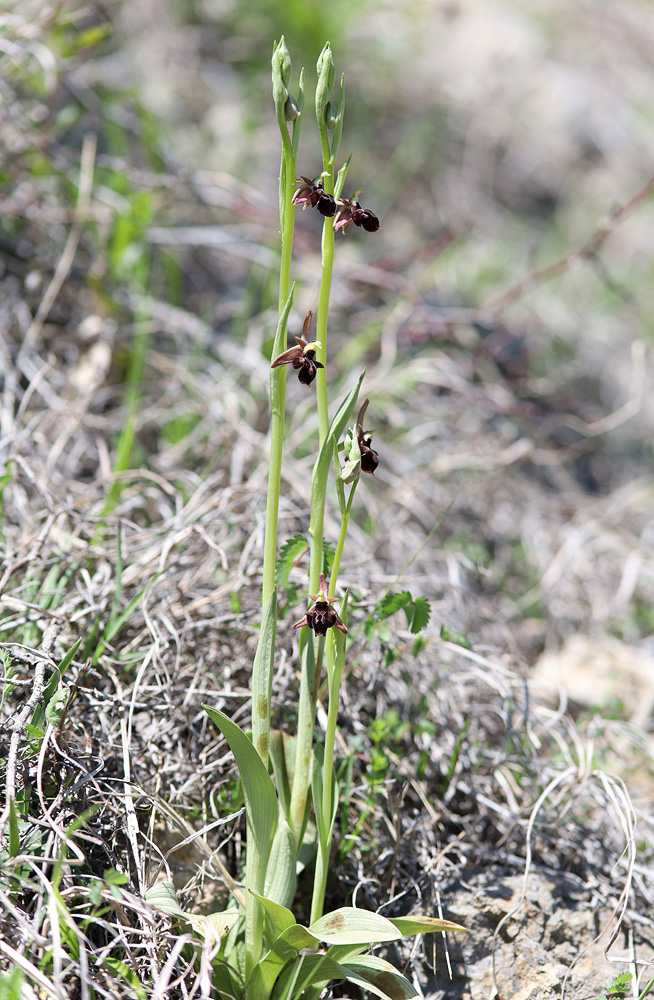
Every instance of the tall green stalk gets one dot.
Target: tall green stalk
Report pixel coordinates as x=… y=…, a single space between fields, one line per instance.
x=286 y=109
x=329 y=119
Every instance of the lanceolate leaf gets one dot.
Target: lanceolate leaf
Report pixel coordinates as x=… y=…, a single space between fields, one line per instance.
x=349 y=925
x=163 y=897
x=423 y=925
x=280 y=917
x=260 y=799
x=379 y=977
x=285 y=947
x=316 y=970
x=281 y=879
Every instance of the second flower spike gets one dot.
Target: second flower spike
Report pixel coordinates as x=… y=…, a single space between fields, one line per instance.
x=302 y=357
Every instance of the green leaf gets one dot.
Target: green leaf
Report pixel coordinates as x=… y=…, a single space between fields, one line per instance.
x=214 y=926
x=316 y=970
x=262 y=672
x=126 y=974
x=336 y=428
x=340 y=178
x=290 y=550
x=280 y=917
x=286 y=946
x=379 y=977
x=281 y=878
x=420 y=613
x=461 y=640
x=350 y=925
x=277 y=384
x=391 y=603
x=55 y=706
x=14 y=835
x=163 y=897
x=282 y=757
x=260 y=798
x=417 y=924
x=68 y=657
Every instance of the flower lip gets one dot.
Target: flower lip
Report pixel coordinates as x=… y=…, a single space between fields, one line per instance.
x=366 y=219
x=350 y=211
x=302 y=356
x=313 y=193
x=321 y=615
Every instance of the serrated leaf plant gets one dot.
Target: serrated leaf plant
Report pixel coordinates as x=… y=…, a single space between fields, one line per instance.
x=290 y=790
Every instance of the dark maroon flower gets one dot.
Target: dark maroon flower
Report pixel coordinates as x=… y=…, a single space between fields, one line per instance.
x=321 y=615
x=312 y=193
x=350 y=211
x=366 y=219
x=369 y=457
x=303 y=356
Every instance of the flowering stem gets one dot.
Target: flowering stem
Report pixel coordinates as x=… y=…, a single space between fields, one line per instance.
x=323 y=308
x=345 y=520
x=278 y=384
x=335 y=647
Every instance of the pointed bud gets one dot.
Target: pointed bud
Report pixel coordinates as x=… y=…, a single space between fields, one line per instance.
x=352 y=468
x=326 y=74
x=291 y=110
x=331 y=115
x=282 y=60
x=281 y=74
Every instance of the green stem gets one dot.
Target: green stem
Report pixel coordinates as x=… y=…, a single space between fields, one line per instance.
x=345 y=520
x=278 y=382
x=323 y=307
x=304 y=737
x=335 y=665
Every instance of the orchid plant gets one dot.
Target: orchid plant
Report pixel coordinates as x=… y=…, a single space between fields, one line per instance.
x=259 y=949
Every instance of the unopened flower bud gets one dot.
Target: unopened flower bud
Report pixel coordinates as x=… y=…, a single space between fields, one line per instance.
x=352 y=468
x=331 y=115
x=291 y=110
x=282 y=61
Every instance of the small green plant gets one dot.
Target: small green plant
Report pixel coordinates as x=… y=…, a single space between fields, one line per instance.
x=263 y=951
x=620 y=986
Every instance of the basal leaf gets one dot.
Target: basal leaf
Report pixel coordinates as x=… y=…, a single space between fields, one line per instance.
x=163 y=897
x=260 y=798
x=418 y=924
x=281 y=879
x=280 y=917
x=350 y=925
x=379 y=977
